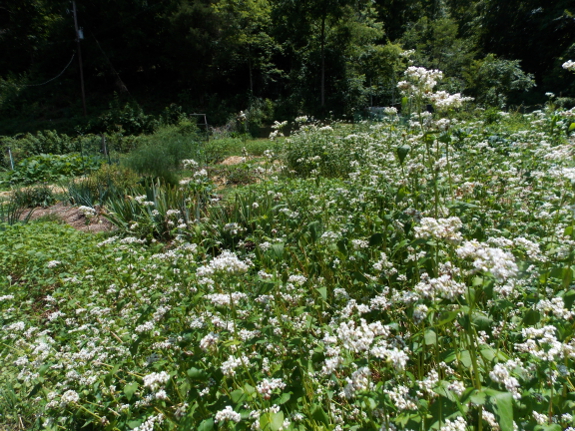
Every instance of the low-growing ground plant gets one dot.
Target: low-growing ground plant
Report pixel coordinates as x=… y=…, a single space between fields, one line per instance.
x=426 y=284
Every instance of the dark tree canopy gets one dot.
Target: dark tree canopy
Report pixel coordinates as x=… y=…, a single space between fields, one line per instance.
x=321 y=57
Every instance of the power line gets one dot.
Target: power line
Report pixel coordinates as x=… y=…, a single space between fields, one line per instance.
x=56 y=77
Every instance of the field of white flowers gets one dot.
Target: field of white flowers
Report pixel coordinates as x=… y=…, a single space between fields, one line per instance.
x=404 y=275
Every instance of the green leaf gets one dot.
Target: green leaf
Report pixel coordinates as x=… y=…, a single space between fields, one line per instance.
x=504 y=410
x=567 y=277
x=447 y=317
x=277 y=251
x=568 y=299
x=320 y=415
x=547 y=427
x=271 y=421
x=206 y=425
x=135 y=423
x=277 y=421
x=283 y=398
x=478 y=397
x=237 y=396
x=197 y=374
x=481 y=321
x=323 y=292
x=402 y=152
x=465 y=358
x=532 y=317
x=376 y=239
x=430 y=337
x=130 y=389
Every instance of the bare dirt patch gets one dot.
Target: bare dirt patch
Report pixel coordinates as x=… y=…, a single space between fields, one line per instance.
x=72 y=216
x=233 y=160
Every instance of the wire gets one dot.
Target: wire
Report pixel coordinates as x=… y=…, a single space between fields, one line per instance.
x=56 y=77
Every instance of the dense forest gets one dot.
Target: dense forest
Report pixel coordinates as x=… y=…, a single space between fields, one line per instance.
x=271 y=59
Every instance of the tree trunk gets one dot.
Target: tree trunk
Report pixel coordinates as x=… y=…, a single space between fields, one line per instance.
x=323 y=60
x=251 y=73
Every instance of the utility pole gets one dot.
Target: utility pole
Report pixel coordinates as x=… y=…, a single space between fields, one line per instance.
x=79 y=58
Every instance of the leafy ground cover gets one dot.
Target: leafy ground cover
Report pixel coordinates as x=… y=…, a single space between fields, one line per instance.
x=412 y=274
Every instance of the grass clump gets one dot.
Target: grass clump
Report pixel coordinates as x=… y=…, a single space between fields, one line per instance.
x=160 y=155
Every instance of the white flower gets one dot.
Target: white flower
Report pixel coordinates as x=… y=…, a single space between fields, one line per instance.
x=229 y=366
x=87 y=211
x=155 y=380
x=227 y=414
x=501 y=374
x=442 y=229
x=458 y=424
x=569 y=65
x=227 y=262
x=444 y=101
x=500 y=263
x=267 y=386
x=70 y=396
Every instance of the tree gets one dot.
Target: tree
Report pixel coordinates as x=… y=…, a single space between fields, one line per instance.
x=244 y=38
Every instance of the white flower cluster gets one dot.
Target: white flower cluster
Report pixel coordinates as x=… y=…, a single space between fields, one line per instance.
x=87 y=211
x=267 y=386
x=155 y=380
x=501 y=264
x=444 y=101
x=458 y=424
x=390 y=110
x=53 y=264
x=224 y=299
x=227 y=262
x=14 y=327
x=70 y=396
x=227 y=414
x=359 y=338
x=443 y=286
x=229 y=366
x=189 y=163
x=420 y=81
x=400 y=397
x=150 y=423
x=542 y=344
x=209 y=341
x=555 y=306
x=441 y=229
x=359 y=381
x=502 y=374
x=569 y=65
x=397 y=358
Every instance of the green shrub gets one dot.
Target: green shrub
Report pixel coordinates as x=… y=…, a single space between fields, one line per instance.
x=50 y=167
x=43 y=142
x=218 y=149
x=160 y=211
x=128 y=118
x=160 y=154
x=494 y=81
x=321 y=150
x=31 y=197
x=11 y=211
x=106 y=183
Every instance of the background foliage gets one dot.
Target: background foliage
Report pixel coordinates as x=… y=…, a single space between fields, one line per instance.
x=326 y=58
